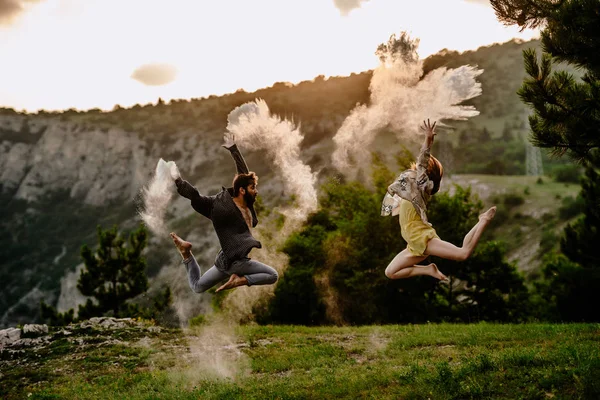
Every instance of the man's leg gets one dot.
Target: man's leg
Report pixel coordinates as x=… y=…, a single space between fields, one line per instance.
x=199 y=283
x=250 y=272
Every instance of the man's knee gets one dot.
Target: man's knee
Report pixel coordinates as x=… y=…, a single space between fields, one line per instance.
x=274 y=276
x=200 y=288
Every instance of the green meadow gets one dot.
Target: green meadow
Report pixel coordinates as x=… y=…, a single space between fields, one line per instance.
x=430 y=361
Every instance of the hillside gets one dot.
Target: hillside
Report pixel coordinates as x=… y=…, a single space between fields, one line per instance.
x=528 y=220
x=63 y=173
x=106 y=358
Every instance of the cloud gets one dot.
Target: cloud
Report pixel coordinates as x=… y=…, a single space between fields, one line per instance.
x=155 y=74
x=345 y=6
x=9 y=9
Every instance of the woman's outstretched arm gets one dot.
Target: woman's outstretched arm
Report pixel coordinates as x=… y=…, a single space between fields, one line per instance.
x=425 y=153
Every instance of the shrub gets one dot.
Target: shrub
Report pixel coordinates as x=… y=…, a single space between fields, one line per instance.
x=513 y=199
x=198 y=320
x=570 y=207
x=569 y=173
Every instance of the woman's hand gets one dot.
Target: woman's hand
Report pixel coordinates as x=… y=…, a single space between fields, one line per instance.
x=428 y=128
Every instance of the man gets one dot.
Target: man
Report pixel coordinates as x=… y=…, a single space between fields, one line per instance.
x=232 y=214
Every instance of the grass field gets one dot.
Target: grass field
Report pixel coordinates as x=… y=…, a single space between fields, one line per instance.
x=533 y=361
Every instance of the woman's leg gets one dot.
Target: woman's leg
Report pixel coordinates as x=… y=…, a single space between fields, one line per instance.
x=404 y=266
x=443 y=249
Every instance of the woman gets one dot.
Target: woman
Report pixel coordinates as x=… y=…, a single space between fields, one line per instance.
x=408 y=197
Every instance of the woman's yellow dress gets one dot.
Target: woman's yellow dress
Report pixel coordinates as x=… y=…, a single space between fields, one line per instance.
x=416 y=232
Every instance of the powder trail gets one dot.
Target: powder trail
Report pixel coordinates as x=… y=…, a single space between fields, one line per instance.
x=254 y=128
x=401 y=100
x=156 y=197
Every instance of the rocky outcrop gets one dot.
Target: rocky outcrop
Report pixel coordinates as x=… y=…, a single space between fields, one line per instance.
x=9 y=336
x=14 y=161
x=108 y=323
x=33 y=330
x=94 y=166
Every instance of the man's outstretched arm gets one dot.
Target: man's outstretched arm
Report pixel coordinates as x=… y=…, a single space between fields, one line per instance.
x=240 y=163
x=202 y=204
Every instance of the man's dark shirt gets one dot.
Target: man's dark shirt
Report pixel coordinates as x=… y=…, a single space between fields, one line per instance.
x=230 y=226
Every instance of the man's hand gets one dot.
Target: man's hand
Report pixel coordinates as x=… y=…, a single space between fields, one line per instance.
x=428 y=128
x=174 y=171
x=229 y=139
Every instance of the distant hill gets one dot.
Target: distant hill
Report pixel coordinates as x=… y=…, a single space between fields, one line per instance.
x=62 y=173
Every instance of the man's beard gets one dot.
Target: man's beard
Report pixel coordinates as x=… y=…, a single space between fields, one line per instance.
x=249 y=199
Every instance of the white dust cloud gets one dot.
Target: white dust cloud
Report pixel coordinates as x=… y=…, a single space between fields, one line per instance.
x=345 y=6
x=254 y=128
x=214 y=353
x=155 y=74
x=400 y=101
x=10 y=9
x=156 y=196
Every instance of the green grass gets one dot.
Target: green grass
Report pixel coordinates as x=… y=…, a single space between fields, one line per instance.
x=533 y=361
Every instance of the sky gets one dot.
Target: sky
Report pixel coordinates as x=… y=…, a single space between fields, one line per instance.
x=61 y=54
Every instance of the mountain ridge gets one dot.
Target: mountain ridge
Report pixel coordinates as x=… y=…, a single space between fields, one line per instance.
x=87 y=168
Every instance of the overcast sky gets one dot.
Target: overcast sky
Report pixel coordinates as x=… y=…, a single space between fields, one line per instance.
x=58 y=54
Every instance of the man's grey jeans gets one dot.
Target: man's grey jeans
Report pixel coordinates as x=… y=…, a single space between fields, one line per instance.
x=255 y=272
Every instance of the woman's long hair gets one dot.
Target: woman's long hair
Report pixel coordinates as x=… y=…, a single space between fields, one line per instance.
x=435 y=171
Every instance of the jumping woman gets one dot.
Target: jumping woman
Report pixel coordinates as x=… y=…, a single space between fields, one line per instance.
x=408 y=197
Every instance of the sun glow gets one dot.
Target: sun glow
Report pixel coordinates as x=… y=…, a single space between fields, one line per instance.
x=61 y=54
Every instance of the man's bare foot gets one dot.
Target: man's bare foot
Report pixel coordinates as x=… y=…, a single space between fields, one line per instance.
x=234 y=281
x=185 y=248
x=488 y=215
x=435 y=272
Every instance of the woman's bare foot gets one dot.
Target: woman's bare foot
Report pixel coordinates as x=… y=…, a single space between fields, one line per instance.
x=435 y=272
x=488 y=215
x=185 y=248
x=234 y=281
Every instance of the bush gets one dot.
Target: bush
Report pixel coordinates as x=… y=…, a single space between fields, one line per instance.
x=198 y=320
x=513 y=199
x=548 y=241
x=567 y=173
x=566 y=290
x=570 y=207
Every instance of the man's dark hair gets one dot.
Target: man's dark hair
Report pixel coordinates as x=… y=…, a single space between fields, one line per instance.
x=243 y=181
